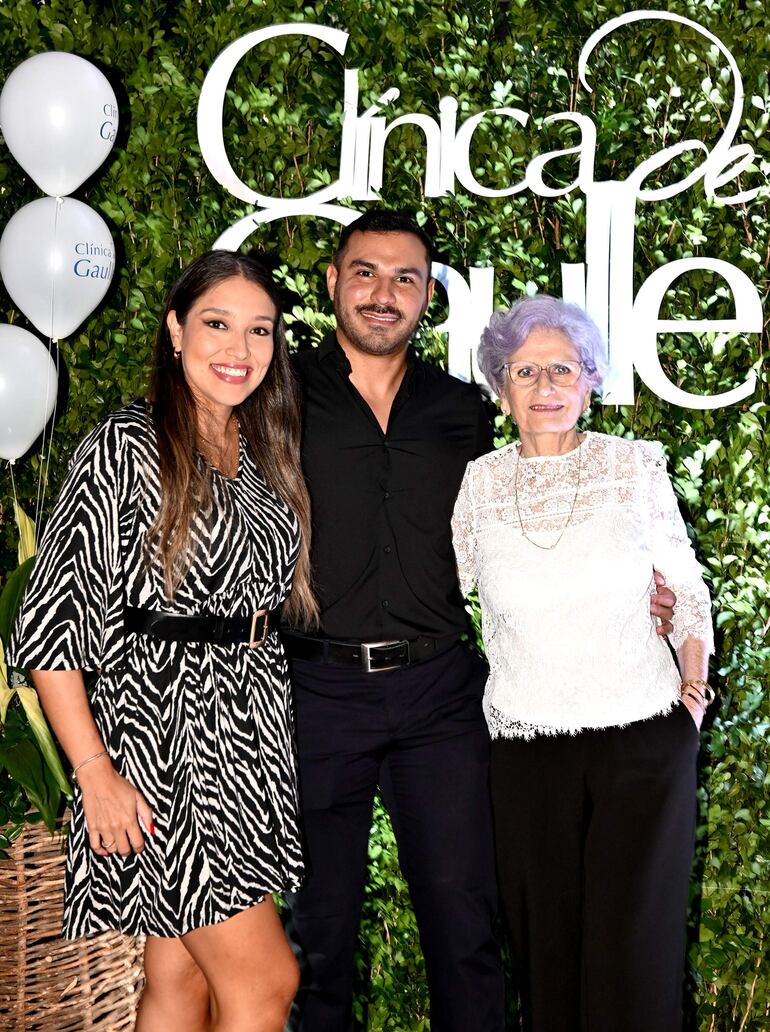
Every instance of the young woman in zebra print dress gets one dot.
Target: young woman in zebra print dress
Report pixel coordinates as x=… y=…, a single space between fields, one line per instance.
x=172 y=544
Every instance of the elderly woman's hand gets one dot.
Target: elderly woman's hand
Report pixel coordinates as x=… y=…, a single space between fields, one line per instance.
x=695 y=706
x=662 y=604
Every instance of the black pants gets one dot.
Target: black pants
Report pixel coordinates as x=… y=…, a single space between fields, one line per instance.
x=595 y=838
x=420 y=735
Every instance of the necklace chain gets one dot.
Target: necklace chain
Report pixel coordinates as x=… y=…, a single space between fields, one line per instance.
x=545 y=548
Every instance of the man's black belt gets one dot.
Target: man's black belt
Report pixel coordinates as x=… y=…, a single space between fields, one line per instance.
x=249 y=630
x=369 y=656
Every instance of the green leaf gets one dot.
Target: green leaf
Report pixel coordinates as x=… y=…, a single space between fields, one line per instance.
x=27 y=544
x=11 y=597
x=6 y=692
x=39 y=725
x=25 y=765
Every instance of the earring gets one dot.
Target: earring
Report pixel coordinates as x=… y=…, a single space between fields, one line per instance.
x=177 y=354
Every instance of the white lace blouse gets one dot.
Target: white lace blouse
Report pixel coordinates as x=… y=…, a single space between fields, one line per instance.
x=567 y=630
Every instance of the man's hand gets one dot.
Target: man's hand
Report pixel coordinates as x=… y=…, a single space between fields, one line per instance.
x=662 y=604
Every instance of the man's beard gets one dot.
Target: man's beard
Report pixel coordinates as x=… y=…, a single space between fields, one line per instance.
x=376 y=342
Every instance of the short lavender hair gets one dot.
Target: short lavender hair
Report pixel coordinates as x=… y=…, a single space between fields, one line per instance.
x=509 y=329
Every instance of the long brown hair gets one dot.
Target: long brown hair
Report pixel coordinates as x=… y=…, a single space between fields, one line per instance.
x=269 y=422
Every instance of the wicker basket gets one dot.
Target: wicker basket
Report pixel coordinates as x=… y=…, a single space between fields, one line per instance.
x=47 y=983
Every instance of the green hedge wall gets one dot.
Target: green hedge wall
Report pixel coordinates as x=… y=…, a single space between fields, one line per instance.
x=653 y=85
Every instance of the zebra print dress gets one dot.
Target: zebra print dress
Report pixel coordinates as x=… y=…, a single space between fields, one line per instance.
x=205 y=732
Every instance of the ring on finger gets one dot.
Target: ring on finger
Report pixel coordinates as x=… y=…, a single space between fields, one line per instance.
x=108 y=845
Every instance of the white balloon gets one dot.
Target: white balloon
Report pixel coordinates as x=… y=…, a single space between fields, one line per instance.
x=56 y=259
x=59 y=117
x=28 y=385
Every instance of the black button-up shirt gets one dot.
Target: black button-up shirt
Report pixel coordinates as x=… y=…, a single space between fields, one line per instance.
x=382 y=556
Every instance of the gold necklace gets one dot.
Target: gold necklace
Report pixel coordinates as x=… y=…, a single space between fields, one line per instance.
x=545 y=548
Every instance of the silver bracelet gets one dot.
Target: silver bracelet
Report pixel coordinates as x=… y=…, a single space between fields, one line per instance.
x=89 y=759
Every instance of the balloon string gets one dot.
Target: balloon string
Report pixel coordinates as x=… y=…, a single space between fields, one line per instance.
x=14 y=495
x=45 y=456
x=13 y=483
x=46 y=460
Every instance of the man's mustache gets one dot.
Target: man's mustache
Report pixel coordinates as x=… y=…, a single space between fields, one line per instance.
x=380 y=310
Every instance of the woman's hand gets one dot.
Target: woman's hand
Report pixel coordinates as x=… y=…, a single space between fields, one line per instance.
x=112 y=808
x=695 y=706
x=694 y=690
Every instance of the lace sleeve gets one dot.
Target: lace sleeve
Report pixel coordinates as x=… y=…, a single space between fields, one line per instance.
x=673 y=554
x=464 y=532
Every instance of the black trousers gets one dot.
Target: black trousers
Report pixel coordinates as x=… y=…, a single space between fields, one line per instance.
x=595 y=837
x=419 y=734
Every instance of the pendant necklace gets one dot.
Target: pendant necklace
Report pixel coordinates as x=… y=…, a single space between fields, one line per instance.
x=545 y=548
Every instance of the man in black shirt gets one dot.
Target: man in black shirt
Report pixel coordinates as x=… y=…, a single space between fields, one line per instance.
x=386 y=694
x=385 y=443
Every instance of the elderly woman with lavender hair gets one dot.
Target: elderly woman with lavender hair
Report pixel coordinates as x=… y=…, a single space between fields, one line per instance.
x=595 y=726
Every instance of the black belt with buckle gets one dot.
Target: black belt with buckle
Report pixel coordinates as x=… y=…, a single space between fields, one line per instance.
x=249 y=630
x=369 y=656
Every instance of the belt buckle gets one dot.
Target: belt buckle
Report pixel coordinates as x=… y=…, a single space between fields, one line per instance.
x=366 y=655
x=253 y=642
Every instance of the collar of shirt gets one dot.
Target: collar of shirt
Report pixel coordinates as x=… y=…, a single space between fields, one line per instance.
x=330 y=349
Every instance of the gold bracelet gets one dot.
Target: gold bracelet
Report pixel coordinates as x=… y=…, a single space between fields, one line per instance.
x=88 y=759
x=703 y=688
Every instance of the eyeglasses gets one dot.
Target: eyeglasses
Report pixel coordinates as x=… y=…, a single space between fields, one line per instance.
x=561 y=374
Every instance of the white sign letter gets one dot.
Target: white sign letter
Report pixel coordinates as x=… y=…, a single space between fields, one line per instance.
x=212 y=101
x=646 y=326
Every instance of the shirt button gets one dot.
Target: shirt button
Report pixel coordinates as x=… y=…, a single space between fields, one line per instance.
x=387 y=549
x=387 y=494
x=385 y=603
